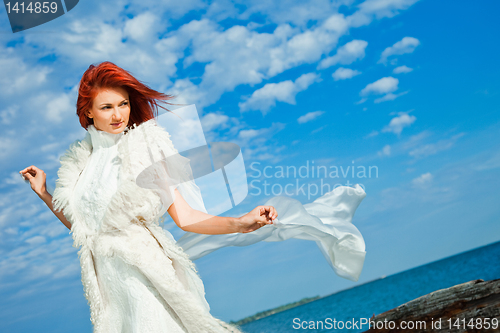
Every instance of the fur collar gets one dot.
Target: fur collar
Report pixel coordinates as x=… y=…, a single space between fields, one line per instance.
x=138 y=148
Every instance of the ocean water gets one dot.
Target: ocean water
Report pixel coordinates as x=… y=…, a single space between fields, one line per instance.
x=384 y=294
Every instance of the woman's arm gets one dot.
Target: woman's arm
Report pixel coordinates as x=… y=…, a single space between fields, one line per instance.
x=47 y=198
x=192 y=220
x=37 y=179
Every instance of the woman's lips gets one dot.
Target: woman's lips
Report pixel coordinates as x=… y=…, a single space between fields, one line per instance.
x=117 y=124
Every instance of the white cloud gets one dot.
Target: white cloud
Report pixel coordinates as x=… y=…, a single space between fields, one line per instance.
x=299 y=13
x=132 y=45
x=174 y=9
x=13 y=178
x=309 y=116
x=307 y=47
x=239 y=55
x=318 y=129
x=371 y=134
x=36 y=240
x=265 y=98
x=7 y=115
x=249 y=133
x=214 y=120
x=406 y=45
x=397 y=124
x=143 y=27
x=434 y=148
x=8 y=146
x=220 y=127
x=418 y=146
x=492 y=162
x=423 y=180
x=413 y=141
x=346 y=54
x=60 y=106
x=186 y=92
x=50 y=147
x=231 y=57
x=402 y=69
x=256 y=144
x=389 y=97
x=386 y=151
x=378 y=9
x=382 y=86
x=385 y=85
x=18 y=76
x=344 y=73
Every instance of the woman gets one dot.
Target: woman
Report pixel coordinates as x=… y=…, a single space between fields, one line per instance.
x=135 y=276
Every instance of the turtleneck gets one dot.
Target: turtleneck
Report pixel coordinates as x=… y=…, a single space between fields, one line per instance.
x=100 y=177
x=102 y=139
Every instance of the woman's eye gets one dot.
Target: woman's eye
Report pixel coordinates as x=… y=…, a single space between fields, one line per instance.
x=125 y=103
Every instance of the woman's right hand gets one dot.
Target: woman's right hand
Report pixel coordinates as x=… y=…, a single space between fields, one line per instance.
x=37 y=179
x=257 y=218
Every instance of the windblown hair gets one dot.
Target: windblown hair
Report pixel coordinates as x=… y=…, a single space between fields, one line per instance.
x=144 y=101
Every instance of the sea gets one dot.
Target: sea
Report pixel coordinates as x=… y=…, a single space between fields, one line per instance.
x=358 y=304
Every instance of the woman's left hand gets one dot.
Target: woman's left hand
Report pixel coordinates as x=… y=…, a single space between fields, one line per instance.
x=257 y=218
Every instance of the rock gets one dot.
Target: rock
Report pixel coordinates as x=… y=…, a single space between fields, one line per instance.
x=472 y=306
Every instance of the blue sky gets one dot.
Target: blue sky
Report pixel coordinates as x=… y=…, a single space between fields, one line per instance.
x=409 y=87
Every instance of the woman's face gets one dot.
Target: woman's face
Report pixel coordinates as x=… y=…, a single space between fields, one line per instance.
x=110 y=110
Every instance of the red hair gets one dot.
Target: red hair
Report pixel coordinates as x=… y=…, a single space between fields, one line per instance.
x=143 y=100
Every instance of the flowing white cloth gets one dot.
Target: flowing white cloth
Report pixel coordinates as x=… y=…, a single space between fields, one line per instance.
x=327 y=221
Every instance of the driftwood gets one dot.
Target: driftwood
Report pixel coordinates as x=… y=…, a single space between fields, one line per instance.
x=461 y=308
